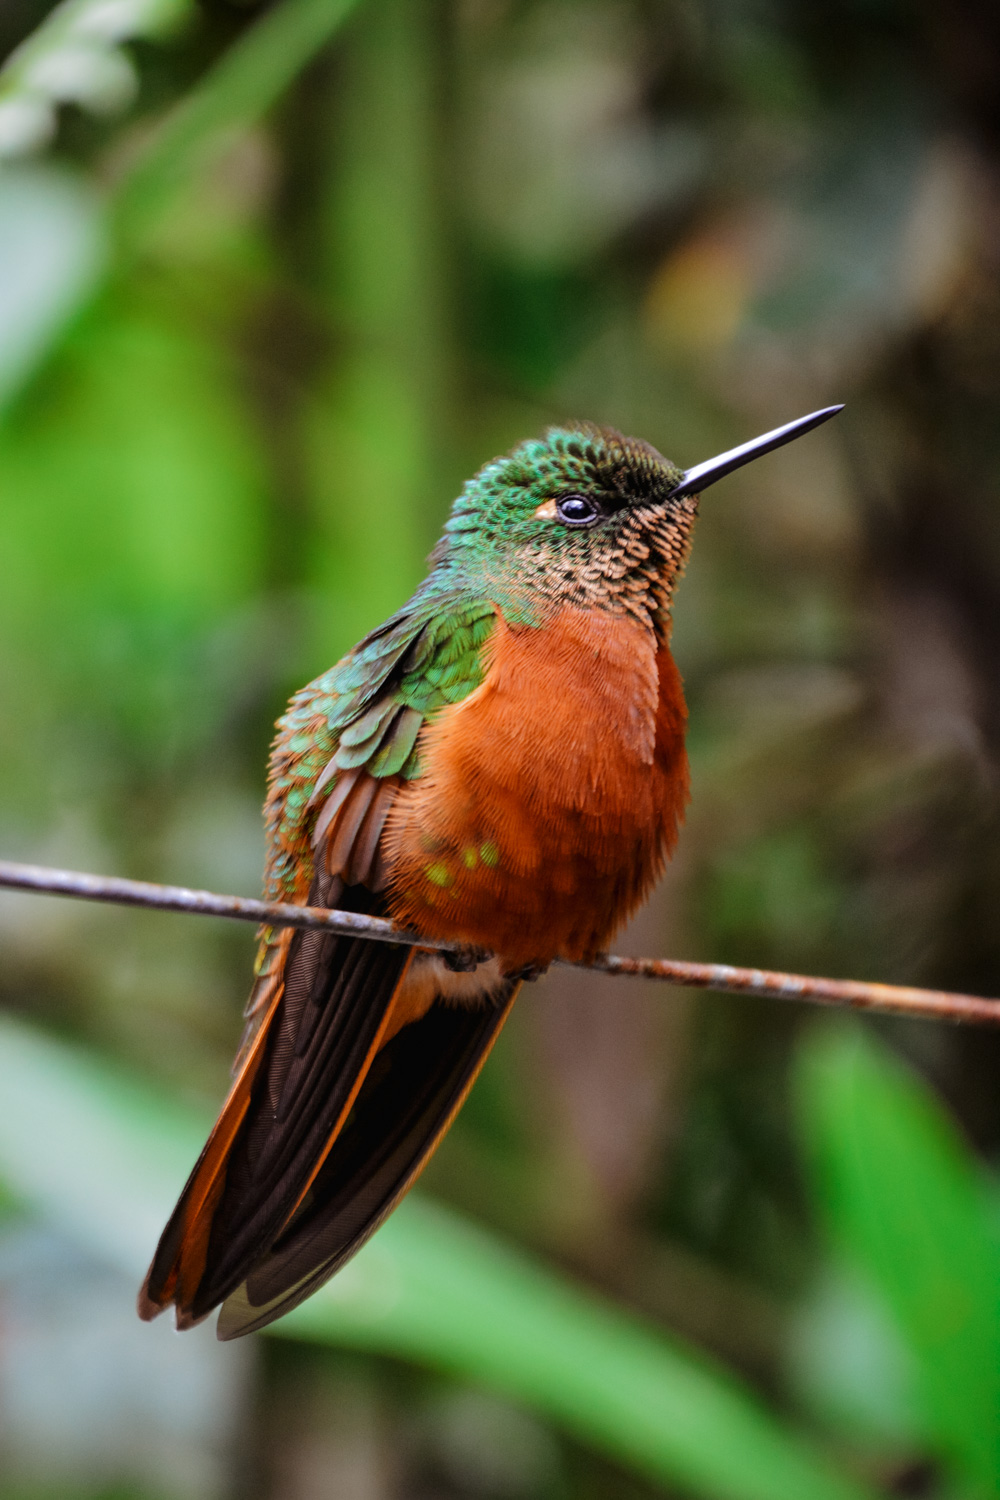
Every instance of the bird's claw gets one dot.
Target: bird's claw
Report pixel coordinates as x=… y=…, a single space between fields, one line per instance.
x=527 y=973
x=466 y=959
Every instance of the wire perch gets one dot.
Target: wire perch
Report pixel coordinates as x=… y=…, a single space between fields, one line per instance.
x=892 y=999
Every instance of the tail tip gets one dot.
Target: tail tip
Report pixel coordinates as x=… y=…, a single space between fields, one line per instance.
x=147 y=1306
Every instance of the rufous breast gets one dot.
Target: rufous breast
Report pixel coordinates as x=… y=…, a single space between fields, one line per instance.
x=549 y=798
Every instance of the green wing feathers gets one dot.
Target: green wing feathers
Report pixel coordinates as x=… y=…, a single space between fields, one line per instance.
x=366 y=714
x=344 y=746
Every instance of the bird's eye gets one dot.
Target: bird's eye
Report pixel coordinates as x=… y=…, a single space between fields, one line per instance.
x=577 y=510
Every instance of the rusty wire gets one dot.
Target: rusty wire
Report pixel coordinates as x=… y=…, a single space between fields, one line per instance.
x=938 y=1005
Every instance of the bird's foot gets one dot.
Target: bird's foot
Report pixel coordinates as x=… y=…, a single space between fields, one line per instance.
x=465 y=960
x=527 y=973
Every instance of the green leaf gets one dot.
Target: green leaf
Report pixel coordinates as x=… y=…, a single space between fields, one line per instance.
x=437 y=1290
x=135 y=485
x=904 y=1201
x=75 y=57
x=104 y=1157
x=53 y=249
x=80 y=41
x=850 y=1366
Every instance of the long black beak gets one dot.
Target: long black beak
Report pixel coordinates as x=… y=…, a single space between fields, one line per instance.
x=702 y=475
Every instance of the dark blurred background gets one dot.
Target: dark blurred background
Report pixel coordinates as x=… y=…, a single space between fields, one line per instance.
x=231 y=431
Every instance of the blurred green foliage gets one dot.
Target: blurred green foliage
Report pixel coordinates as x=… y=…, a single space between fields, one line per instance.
x=907 y=1204
x=256 y=327
x=429 y=1288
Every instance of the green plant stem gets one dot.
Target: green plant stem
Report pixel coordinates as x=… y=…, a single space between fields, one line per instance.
x=250 y=77
x=375 y=440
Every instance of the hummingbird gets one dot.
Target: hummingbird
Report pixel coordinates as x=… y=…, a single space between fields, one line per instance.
x=501 y=765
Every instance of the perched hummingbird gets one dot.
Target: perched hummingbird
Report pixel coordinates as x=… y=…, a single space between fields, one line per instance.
x=501 y=764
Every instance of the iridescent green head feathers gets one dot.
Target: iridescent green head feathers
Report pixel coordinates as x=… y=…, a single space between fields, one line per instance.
x=581 y=516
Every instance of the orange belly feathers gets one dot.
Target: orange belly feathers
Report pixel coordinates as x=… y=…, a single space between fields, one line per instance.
x=531 y=833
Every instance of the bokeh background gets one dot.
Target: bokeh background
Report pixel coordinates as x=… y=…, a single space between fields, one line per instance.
x=266 y=299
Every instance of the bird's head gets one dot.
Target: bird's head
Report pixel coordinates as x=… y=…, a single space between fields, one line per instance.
x=588 y=517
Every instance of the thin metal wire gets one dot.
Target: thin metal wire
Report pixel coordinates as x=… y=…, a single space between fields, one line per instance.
x=938 y=1005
